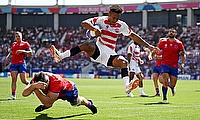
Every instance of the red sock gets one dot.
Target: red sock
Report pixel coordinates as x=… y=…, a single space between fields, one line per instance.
x=89 y=104
x=13 y=92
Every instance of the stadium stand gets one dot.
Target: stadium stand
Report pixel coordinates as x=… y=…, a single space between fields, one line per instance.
x=41 y=38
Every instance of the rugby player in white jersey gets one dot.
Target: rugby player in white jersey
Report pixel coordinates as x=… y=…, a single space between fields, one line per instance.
x=133 y=56
x=103 y=50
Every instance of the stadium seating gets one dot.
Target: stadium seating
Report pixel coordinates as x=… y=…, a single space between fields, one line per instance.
x=41 y=38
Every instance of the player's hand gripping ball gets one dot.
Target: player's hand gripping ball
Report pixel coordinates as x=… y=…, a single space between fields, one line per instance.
x=91 y=34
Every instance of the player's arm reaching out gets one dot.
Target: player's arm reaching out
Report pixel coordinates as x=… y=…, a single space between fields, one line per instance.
x=150 y=54
x=136 y=38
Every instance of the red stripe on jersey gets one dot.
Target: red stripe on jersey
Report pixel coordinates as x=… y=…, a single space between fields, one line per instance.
x=110 y=46
x=105 y=32
x=131 y=49
x=95 y=20
x=136 y=53
x=109 y=40
x=129 y=29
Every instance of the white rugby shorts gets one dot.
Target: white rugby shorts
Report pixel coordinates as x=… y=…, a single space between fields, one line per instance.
x=134 y=67
x=105 y=53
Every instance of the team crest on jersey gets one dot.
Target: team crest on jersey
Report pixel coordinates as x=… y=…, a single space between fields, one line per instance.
x=176 y=46
x=165 y=45
x=107 y=26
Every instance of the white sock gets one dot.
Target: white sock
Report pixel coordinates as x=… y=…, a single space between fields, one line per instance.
x=65 y=54
x=126 y=81
x=141 y=91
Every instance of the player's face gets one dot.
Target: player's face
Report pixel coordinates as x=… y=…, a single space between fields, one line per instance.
x=172 y=33
x=17 y=37
x=113 y=17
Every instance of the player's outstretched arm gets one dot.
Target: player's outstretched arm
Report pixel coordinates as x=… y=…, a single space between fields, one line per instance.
x=136 y=38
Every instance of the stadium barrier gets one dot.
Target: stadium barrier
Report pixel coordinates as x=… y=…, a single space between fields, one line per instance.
x=92 y=76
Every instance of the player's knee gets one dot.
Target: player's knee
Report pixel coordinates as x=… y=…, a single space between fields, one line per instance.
x=87 y=47
x=124 y=62
x=78 y=102
x=74 y=104
x=25 y=82
x=48 y=105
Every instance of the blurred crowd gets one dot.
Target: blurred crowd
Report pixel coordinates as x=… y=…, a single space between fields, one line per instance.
x=40 y=39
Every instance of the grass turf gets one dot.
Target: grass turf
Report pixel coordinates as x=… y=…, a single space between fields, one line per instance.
x=110 y=98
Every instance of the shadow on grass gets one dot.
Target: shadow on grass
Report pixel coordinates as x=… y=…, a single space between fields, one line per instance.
x=4 y=99
x=45 y=117
x=156 y=103
x=124 y=96
x=197 y=90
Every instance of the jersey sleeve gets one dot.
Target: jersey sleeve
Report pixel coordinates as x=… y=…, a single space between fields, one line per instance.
x=55 y=86
x=126 y=30
x=91 y=21
x=27 y=46
x=181 y=46
x=160 y=44
x=130 y=49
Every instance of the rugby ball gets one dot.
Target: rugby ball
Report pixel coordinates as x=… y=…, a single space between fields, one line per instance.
x=91 y=34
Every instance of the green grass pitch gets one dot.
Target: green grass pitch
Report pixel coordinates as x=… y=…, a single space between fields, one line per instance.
x=110 y=98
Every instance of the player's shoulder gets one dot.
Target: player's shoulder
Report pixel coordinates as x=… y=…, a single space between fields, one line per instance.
x=162 y=39
x=122 y=23
x=24 y=42
x=14 y=43
x=178 y=41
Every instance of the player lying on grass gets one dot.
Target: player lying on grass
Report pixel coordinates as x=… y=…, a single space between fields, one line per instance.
x=50 y=87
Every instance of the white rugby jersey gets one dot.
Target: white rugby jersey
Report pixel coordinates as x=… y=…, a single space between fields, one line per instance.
x=110 y=33
x=135 y=51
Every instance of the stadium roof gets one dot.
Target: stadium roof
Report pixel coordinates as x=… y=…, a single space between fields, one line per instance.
x=97 y=8
x=77 y=2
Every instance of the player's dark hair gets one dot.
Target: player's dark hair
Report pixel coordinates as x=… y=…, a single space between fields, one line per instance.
x=19 y=33
x=116 y=8
x=40 y=77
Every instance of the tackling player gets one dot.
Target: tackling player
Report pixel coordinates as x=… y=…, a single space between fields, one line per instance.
x=50 y=87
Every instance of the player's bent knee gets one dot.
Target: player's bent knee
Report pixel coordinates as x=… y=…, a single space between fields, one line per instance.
x=87 y=47
x=78 y=102
x=124 y=61
x=74 y=104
